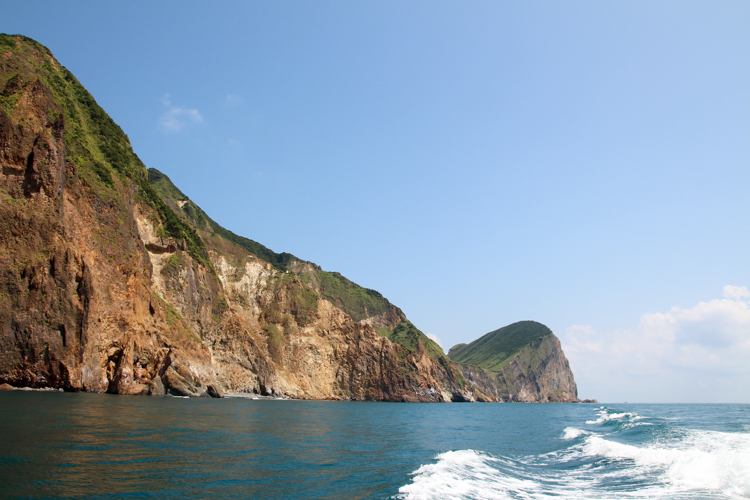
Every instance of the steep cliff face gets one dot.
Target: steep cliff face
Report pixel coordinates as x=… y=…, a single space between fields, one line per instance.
x=76 y=308
x=106 y=286
x=111 y=279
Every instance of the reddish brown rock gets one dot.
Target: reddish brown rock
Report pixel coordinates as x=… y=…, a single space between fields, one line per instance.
x=94 y=296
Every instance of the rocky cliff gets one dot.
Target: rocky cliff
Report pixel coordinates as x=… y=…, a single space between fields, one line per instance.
x=111 y=279
x=522 y=362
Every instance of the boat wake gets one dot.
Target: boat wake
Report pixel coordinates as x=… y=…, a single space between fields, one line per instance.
x=616 y=456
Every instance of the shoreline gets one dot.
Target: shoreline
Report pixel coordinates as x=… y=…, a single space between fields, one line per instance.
x=252 y=396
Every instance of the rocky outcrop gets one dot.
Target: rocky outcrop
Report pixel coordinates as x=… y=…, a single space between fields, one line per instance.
x=537 y=374
x=519 y=362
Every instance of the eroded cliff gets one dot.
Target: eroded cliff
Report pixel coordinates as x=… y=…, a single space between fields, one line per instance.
x=113 y=280
x=105 y=287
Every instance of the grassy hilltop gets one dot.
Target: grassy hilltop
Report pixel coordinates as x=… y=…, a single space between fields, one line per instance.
x=496 y=349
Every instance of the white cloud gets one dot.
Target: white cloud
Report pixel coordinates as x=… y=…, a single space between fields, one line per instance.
x=686 y=354
x=585 y=338
x=175 y=118
x=434 y=338
x=736 y=292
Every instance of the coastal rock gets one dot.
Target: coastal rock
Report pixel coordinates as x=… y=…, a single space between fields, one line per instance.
x=156 y=387
x=214 y=391
x=532 y=371
x=536 y=375
x=112 y=280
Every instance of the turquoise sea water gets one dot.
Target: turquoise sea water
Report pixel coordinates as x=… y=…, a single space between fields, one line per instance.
x=91 y=446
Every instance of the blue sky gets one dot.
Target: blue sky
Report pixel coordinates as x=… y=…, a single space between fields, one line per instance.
x=582 y=164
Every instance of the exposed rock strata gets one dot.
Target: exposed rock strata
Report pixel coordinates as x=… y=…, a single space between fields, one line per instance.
x=101 y=289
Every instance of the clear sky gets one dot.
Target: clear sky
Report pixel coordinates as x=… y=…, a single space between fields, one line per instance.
x=582 y=164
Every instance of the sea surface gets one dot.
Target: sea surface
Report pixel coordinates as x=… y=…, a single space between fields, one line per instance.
x=98 y=446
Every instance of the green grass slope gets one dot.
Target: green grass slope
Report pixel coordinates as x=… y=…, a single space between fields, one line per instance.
x=164 y=186
x=409 y=336
x=496 y=349
x=359 y=302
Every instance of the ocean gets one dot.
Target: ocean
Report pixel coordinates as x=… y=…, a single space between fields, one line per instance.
x=99 y=446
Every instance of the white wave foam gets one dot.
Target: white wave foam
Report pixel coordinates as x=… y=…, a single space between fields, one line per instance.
x=604 y=416
x=464 y=474
x=703 y=460
x=573 y=432
x=472 y=475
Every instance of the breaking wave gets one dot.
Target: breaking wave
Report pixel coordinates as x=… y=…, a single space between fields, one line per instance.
x=625 y=418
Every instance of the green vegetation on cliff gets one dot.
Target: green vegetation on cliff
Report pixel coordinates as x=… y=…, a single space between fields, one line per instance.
x=359 y=302
x=94 y=143
x=409 y=336
x=103 y=158
x=164 y=186
x=496 y=349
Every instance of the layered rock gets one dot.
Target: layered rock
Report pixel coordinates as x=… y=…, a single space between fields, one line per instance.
x=103 y=289
x=111 y=280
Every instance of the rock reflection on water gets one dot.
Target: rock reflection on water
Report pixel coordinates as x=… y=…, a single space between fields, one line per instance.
x=104 y=446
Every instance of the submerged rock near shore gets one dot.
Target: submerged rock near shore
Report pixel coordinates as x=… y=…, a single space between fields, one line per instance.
x=112 y=280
